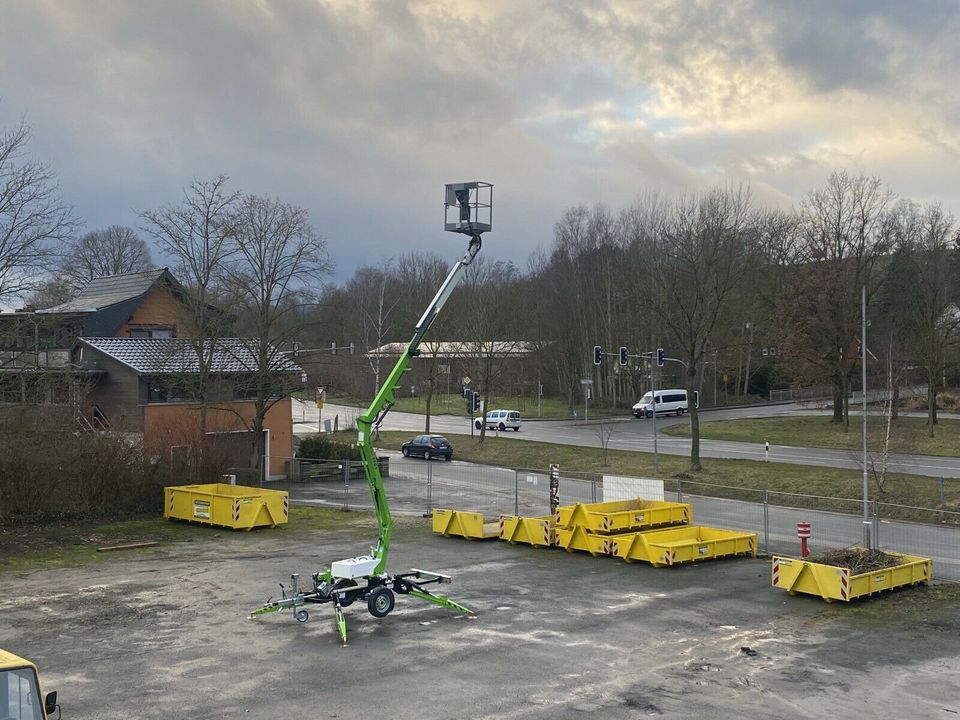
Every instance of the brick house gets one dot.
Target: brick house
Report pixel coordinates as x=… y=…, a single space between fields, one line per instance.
x=94 y=361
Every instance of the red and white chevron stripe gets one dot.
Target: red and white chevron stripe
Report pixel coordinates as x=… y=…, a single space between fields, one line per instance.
x=236 y=510
x=844 y=583
x=286 y=507
x=775 y=580
x=170 y=503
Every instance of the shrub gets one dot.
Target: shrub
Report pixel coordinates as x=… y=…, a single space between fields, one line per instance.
x=321 y=447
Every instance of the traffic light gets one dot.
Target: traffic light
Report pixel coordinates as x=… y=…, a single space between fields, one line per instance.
x=597 y=354
x=476 y=401
x=623 y=355
x=659 y=357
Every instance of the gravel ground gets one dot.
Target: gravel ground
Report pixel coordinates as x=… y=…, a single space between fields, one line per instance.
x=163 y=633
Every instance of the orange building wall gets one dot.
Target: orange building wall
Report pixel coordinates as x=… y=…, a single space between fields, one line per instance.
x=160 y=307
x=159 y=418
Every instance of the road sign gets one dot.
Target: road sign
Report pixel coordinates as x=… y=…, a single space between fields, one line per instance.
x=466 y=379
x=586 y=381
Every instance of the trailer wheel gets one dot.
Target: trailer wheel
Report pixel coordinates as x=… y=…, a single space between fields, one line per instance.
x=380 y=602
x=302 y=616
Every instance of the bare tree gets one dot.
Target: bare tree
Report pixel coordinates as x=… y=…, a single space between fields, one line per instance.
x=418 y=276
x=198 y=234
x=50 y=292
x=114 y=250
x=279 y=262
x=488 y=290
x=698 y=263
x=32 y=215
x=845 y=231
x=926 y=238
x=375 y=295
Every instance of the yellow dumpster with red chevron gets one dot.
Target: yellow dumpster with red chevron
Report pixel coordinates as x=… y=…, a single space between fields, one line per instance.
x=233 y=506
x=623 y=515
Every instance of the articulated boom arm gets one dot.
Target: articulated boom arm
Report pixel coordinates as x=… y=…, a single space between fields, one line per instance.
x=386 y=398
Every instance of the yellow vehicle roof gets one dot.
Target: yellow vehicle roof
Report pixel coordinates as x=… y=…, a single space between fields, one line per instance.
x=8 y=660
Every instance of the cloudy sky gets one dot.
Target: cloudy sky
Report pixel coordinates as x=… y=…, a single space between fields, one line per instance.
x=361 y=110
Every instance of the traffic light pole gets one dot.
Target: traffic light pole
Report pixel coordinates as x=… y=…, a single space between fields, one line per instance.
x=623 y=355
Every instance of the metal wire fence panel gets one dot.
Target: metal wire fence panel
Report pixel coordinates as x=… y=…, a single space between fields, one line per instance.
x=418 y=486
x=728 y=514
x=938 y=537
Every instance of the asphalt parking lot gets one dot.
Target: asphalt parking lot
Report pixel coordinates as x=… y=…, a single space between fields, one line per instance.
x=163 y=633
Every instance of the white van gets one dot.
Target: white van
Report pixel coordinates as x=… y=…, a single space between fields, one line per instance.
x=501 y=420
x=667 y=401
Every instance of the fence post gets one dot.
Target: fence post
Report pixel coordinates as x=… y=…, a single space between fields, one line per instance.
x=516 y=492
x=766 y=521
x=679 y=490
x=876 y=524
x=345 y=467
x=429 y=487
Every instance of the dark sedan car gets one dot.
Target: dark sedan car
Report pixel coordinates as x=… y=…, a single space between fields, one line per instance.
x=428 y=447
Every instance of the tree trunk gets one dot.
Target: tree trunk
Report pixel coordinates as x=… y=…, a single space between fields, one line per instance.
x=837 y=399
x=931 y=404
x=695 y=464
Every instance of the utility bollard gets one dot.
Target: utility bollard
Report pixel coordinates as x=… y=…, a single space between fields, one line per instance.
x=803 y=532
x=766 y=451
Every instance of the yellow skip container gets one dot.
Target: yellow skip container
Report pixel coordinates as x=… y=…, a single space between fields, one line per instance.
x=233 y=506
x=620 y=516
x=463 y=523
x=831 y=582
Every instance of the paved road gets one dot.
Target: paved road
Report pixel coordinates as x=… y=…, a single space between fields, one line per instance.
x=630 y=434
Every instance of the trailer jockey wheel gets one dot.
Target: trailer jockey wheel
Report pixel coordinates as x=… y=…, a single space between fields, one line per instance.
x=302 y=616
x=380 y=602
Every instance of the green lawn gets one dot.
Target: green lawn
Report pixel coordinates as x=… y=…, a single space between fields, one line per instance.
x=907 y=435
x=741 y=478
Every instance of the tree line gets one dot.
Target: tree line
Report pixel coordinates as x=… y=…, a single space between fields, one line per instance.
x=761 y=297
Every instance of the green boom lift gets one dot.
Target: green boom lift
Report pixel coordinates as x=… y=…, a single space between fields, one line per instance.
x=468 y=210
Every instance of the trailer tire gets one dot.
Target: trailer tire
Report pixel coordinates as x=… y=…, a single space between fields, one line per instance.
x=380 y=602
x=302 y=616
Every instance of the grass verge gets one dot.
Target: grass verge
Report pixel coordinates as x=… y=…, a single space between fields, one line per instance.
x=907 y=434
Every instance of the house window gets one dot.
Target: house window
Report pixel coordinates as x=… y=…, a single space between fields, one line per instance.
x=152 y=332
x=156 y=392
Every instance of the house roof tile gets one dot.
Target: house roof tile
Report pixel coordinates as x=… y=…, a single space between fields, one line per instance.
x=170 y=356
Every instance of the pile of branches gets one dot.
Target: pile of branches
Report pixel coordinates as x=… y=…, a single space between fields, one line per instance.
x=857 y=560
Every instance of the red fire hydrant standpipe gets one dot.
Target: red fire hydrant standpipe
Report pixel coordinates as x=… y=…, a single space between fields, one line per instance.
x=803 y=532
